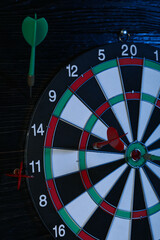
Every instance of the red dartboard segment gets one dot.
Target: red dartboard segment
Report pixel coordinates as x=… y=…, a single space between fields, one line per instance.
x=131 y=61
x=102 y=108
x=82 y=79
x=86 y=179
x=83 y=235
x=133 y=96
x=51 y=129
x=54 y=195
x=107 y=207
x=158 y=103
x=139 y=214
x=84 y=139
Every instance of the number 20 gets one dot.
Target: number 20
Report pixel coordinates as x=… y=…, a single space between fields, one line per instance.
x=126 y=50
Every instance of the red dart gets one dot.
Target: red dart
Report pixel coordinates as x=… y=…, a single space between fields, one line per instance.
x=18 y=174
x=113 y=139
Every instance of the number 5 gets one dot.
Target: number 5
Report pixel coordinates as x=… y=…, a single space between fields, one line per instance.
x=101 y=54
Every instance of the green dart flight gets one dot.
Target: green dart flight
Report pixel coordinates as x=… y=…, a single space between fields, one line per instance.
x=34 y=31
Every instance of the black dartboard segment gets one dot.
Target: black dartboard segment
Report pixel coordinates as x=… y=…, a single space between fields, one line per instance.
x=81 y=192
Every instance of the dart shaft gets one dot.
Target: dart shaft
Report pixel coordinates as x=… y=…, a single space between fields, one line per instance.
x=99 y=145
x=153 y=157
x=31 y=79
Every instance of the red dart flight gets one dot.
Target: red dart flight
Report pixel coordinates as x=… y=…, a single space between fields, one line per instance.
x=113 y=140
x=18 y=174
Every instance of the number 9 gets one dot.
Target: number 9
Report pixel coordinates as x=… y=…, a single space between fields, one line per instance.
x=52 y=96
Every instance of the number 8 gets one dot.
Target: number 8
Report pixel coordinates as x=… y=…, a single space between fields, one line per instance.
x=42 y=200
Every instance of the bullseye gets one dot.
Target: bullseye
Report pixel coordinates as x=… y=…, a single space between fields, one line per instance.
x=136 y=154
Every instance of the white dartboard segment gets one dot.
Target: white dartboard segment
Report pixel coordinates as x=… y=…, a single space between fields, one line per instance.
x=151 y=86
x=120 y=229
x=144 y=116
x=149 y=194
x=154 y=137
x=64 y=162
x=105 y=185
x=155 y=152
x=154 y=225
x=110 y=82
x=126 y=200
x=75 y=112
x=154 y=168
x=81 y=208
x=95 y=159
x=100 y=130
x=111 y=85
x=122 y=117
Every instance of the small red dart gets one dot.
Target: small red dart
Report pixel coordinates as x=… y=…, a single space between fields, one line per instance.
x=113 y=140
x=18 y=174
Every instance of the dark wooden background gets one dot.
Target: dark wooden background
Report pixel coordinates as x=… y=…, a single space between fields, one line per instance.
x=74 y=27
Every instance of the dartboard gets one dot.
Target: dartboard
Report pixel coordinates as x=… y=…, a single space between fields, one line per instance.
x=93 y=146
